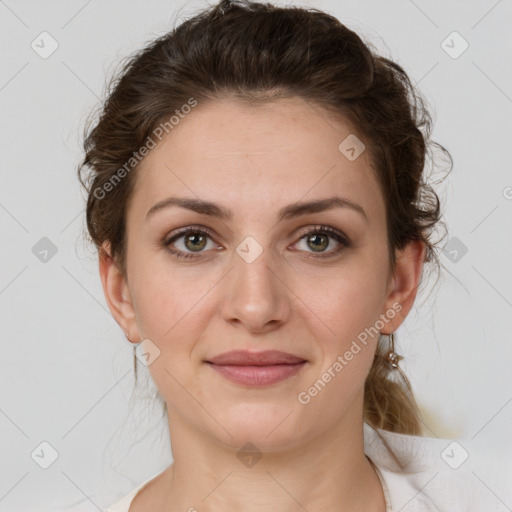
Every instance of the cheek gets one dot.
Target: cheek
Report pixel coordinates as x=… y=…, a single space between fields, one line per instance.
x=348 y=353
x=350 y=307
x=346 y=302
x=349 y=304
x=169 y=300
x=172 y=310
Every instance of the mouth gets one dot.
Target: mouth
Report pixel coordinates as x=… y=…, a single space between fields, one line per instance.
x=256 y=369
x=257 y=376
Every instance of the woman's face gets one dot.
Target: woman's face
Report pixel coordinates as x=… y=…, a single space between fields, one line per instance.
x=254 y=280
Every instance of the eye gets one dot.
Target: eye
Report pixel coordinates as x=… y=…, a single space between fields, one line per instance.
x=318 y=240
x=194 y=240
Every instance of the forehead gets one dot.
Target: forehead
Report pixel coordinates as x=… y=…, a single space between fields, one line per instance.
x=231 y=152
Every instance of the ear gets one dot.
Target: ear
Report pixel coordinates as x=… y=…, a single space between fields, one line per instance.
x=117 y=294
x=403 y=284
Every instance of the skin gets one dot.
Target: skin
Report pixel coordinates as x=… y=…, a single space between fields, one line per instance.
x=254 y=161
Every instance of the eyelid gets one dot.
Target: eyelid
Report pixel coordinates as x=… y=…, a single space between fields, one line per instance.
x=186 y=229
x=324 y=229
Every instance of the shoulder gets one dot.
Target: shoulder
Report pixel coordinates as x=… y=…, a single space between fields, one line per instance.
x=424 y=474
x=123 y=505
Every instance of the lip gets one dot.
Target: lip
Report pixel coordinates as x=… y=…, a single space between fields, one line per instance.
x=246 y=358
x=256 y=368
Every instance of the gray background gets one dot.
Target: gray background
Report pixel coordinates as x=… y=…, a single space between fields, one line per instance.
x=66 y=369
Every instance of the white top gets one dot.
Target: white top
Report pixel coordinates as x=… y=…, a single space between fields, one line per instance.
x=438 y=475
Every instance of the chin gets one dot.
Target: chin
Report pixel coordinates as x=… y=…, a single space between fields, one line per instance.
x=271 y=428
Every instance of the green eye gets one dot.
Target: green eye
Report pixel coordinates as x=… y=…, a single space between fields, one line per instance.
x=195 y=240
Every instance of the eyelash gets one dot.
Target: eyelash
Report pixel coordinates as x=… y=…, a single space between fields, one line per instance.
x=333 y=233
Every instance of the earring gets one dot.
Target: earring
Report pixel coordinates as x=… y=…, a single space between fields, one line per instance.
x=392 y=357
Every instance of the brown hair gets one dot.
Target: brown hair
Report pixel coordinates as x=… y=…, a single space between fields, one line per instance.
x=258 y=52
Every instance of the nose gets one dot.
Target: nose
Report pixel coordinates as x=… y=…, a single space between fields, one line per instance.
x=256 y=295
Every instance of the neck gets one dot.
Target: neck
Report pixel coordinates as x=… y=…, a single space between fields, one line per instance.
x=329 y=472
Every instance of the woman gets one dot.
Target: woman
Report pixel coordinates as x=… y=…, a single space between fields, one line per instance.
x=257 y=196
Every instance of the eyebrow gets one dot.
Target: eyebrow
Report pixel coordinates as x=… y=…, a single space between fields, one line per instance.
x=287 y=212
